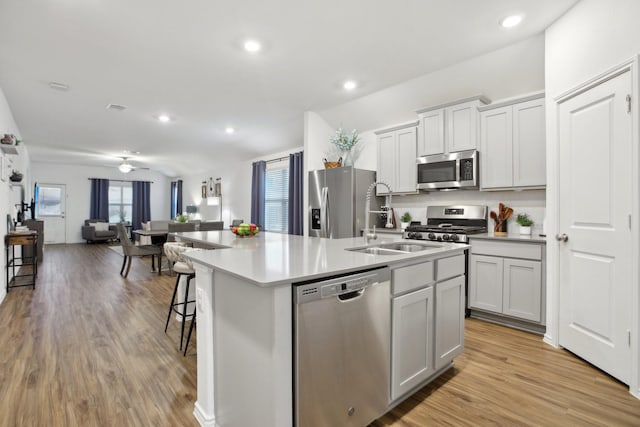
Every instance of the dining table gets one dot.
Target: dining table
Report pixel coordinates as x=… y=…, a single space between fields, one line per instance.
x=158 y=238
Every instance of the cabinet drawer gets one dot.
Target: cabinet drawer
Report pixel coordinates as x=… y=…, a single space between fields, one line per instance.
x=449 y=267
x=507 y=249
x=405 y=279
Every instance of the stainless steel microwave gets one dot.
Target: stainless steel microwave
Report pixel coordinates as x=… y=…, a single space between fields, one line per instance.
x=448 y=171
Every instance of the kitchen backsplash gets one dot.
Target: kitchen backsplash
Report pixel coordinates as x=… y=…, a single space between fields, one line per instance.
x=532 y=202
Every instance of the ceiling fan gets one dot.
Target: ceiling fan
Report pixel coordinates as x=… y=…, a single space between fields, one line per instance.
x=126 y=167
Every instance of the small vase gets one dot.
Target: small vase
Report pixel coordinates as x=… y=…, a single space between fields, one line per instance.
x=347 y=159
x=525 y=230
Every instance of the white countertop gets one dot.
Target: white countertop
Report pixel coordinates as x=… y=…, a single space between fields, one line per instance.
x=271 y=259
x=512 y=237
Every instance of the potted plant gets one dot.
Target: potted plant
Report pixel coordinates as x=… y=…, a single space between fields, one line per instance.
x=405 y=219
x=182 y=217
x=525 y=223
x=345 y=143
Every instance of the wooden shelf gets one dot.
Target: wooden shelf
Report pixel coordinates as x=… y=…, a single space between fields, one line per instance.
x=9 y=149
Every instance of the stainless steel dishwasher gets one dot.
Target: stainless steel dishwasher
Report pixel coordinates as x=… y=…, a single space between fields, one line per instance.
x=342 y=338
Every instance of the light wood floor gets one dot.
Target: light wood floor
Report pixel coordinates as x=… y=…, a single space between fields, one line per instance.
x=87 y=348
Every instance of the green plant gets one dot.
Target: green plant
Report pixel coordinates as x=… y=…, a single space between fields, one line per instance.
x=406 y=217
x=343 y=141
x=182 y=218
x=524 y=220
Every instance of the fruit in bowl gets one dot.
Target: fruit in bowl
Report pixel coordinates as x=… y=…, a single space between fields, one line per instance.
x=245 y=230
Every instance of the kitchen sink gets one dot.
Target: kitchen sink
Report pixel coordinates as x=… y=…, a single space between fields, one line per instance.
x=407 y=247
x=394 y=248
x=375 y=250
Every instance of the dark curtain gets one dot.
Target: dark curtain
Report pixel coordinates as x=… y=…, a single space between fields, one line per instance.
x=99 y=199
x=141 y=203
x=258 y=179
x=179 y=197
x=176 y=198
x=174 y=207
x=296 y=193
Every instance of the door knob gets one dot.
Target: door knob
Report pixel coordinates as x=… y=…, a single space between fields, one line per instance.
x=562 y=237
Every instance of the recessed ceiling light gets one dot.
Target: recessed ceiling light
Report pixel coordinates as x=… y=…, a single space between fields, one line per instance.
x=58 y=86
x=163 y=118
x=117 y=107
x=252 y=46
x=350 y=85
x=229 y=130
x=511 y=21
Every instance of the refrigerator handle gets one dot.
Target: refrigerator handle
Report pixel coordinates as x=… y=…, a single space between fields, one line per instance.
x=324 y=213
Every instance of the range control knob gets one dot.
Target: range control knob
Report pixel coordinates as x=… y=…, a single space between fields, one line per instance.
x=417 y=236
x=411 y=235
x=454 y=237
x=445 y=237
x=431 y=236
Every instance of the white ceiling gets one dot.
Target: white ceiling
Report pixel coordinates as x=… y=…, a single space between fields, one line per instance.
x=185 y=58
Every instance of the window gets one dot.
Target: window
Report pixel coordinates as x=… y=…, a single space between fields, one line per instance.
x=276 y=198
x=49 y=200
x=120 y=201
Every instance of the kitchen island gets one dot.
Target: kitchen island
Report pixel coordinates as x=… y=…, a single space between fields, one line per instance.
x=244 y=315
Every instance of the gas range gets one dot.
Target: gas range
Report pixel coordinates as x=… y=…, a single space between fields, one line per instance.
x=450 y=224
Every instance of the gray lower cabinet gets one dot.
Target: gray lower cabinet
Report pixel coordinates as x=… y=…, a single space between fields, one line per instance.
x=427 y=329
x=506 y=278
x=412 y=341
x=449 y=336
x=412 y=315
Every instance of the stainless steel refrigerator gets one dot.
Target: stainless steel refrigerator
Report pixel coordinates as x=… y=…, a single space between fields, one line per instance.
x=337 y=202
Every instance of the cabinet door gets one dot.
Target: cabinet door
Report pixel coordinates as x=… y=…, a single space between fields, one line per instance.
x=412 y=341
x=406 y=169
x=496 y=142
x=386 y=161
x=461 y=131
x=485 y=283
x=431 y=133
x=522 y=291
x=449 y=335
x=529 y=144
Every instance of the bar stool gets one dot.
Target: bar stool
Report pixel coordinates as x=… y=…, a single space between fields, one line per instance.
x=182 y=267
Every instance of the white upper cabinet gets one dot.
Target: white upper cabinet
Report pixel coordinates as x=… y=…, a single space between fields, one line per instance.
x=450 y=127
x=512 y=144
x=397 y=159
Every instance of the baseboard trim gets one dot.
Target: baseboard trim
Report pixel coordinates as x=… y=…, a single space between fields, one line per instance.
x=204 y=419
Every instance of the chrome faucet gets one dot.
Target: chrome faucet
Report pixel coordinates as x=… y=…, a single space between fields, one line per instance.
x=372 y=236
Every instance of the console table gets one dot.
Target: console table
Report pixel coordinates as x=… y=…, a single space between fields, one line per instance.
x=14 y=264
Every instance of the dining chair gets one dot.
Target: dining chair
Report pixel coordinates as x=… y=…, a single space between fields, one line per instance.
x=129 y=250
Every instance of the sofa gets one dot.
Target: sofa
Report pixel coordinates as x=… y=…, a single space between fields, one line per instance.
x=98 y=230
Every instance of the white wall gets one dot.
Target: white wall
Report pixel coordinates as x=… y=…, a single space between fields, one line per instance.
x=8 y=193
x=591 y=38
x=236 y=190
x=504 y=73
x=510 y=71
x=78 y=188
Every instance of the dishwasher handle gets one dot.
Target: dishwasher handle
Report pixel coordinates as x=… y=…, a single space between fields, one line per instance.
x=351 y=296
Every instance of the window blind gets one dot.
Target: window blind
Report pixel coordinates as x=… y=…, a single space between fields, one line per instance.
x=120 y=201
x=276 y=209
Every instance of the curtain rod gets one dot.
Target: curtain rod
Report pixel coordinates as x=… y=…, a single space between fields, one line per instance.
x=118 y=180
x=279 y=159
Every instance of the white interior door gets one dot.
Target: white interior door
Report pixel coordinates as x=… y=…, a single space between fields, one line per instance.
x=51 y=207
x=595 y=136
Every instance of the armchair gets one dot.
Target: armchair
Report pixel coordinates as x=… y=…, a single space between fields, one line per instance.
x=98 y=230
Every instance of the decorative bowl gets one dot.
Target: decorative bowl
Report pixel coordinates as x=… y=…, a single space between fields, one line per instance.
x=245 y=230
